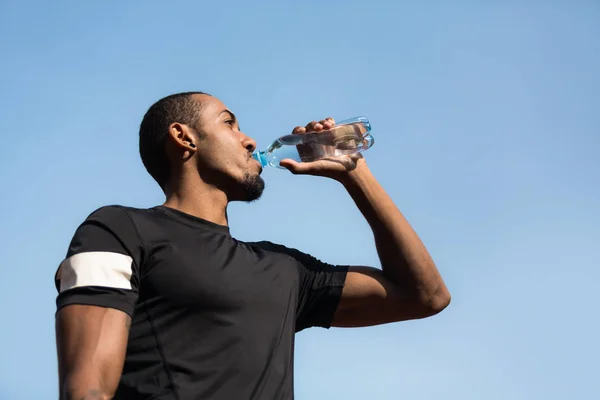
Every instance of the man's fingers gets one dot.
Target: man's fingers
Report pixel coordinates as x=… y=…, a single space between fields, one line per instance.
x=327 y=123
x=299 y=168
x=312 y=126
x=328 y=119
x=315 y=126
x=292 y=166
x=299 y=130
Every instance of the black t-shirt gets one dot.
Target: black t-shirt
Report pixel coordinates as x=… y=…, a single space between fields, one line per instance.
x=212 y=317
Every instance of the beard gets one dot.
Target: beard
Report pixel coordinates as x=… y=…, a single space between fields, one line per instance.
x=248 y=189
x=253 y=187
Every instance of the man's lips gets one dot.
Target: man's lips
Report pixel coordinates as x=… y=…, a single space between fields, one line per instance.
x=257 y=162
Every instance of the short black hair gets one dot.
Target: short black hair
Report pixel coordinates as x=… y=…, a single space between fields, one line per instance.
x=179 y=107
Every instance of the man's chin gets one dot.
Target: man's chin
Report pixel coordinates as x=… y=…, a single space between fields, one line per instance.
x=253 y=187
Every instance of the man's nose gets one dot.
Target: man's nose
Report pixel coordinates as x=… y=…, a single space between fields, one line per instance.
x=249 y=143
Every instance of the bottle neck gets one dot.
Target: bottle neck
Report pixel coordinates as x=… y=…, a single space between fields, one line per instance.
x=260 y=157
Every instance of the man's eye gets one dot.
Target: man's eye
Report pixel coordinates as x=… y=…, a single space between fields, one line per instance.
x=229 y=122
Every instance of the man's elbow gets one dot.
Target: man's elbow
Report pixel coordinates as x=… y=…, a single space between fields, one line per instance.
x=435 y=303
x=78 y=389
x=440 y=302
x=86 y=394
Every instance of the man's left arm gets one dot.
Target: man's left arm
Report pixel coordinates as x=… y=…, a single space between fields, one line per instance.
x=409 y=285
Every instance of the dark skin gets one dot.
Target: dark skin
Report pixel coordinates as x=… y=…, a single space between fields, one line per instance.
x=92 y=340
x=409 y=285
x=91 y=343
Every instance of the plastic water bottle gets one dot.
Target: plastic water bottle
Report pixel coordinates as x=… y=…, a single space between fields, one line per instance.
x=346 y=137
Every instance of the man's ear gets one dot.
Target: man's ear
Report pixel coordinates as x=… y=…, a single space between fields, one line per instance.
x=182 y=137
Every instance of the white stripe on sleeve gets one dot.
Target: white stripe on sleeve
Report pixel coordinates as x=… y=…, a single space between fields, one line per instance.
x=96 y=268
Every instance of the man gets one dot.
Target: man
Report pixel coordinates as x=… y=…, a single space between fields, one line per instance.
x=163 y=303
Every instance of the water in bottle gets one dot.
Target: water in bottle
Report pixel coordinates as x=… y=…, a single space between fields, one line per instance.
x=347 y=137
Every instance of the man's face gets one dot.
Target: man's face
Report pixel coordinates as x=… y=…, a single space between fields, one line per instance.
x=224 y=153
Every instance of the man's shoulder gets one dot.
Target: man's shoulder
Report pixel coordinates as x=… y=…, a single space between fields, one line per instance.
x=276 y=248
x=121 y=218
x=118 y=212
x=269 y=246
x=131 y=225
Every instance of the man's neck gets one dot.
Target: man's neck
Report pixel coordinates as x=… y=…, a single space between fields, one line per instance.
x=201 y=201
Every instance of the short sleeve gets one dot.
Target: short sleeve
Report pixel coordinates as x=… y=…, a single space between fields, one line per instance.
x=102 y=265
x=320 y=290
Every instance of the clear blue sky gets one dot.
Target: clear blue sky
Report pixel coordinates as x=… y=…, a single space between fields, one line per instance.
x=487 y=124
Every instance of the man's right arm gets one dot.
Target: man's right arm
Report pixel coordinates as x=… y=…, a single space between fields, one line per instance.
x=91 y=343
x=97 y=286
